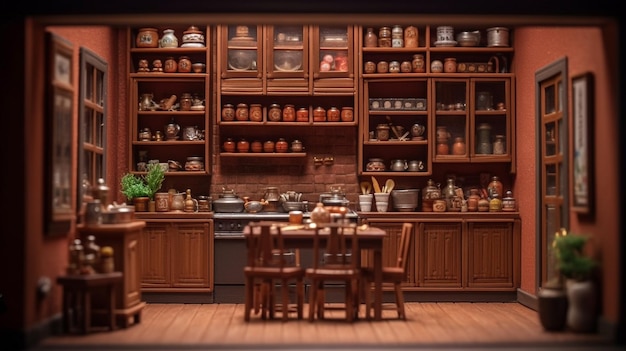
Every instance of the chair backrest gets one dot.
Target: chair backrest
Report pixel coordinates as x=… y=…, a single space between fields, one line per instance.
x=266 y=245
x=341 y=242
x=405 y=241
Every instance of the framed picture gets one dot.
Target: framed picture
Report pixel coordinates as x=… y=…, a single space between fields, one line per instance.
x=582 y=175
x=59 y=161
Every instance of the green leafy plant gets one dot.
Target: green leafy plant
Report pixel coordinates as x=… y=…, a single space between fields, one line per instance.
x=143 y=186
x=570 y=259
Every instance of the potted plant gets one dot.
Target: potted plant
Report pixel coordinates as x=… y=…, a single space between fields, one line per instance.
x=577 y=270
x=141 y=189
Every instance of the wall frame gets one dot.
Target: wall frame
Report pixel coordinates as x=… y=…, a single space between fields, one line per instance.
x=60 y=95
x=583 y=168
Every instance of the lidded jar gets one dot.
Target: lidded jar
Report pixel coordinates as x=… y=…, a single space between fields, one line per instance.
x=397 y=36
x=256 y=113
x=382 y=132
x=281 y=145
x=274 y=113
x=375 y=165
x=228 y=112
x=296 y=146
x=370 y=40
x=458 y=148
x=410 y=37
x=430 y=193
x=147 y=38
x=289 y=113
x=498 y=145
x=449 y=65
x=243 y=145
x=333 y=114
x=319 y=114
x=184 y=64
x=494 y=187
x=268 y=146
x=508 y=202
x=168 y=40
x=229 y=145
x=418 y=63
x=384 y=37
x=241 y=114
x=256 y=146
x=436 y=66
x=185 y=102
x=369 y=67
x=302 y=115
x=347 y=114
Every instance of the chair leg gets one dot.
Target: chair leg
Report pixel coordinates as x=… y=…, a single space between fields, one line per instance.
x=312 y=301
x=250 y=298
x=285 y=292
x=399 y=300
x=368 y=298
x=300 y=297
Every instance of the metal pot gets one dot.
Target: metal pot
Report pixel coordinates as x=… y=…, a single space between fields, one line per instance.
x=228 y=202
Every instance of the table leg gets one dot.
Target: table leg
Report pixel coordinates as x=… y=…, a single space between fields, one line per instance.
x=378 y=284
x=111 y=306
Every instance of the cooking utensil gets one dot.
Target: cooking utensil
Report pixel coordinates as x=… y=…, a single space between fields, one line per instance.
x=366 y=188
x=376 y=185
x=389 y=185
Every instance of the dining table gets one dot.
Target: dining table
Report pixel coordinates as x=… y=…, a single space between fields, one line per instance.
x=370 y=239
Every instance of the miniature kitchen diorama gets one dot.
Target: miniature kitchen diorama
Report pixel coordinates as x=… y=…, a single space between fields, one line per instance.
x=429 y=118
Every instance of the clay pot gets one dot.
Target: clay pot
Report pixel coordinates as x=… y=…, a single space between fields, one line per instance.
x=147 y=38
x=229 y=145
x=319 y=114
x=256 y=146
x=243 y=145
x=268 y=146
x=282 y=145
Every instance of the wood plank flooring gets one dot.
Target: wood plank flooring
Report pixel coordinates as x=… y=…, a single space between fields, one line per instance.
x=440 y=326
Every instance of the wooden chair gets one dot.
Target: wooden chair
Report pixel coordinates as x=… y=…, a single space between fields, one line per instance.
x=267 y=265
x=340 y=263
x=391 y=274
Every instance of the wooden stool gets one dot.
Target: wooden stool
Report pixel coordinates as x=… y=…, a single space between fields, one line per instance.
x=77 y=291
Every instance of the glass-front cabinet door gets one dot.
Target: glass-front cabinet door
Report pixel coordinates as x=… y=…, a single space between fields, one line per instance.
x=451 y=133
x=287 y=66
x=491 y=122
x=240 y=57
x=332 y=59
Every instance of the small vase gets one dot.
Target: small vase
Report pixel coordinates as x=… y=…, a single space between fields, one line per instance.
x=582 y=308
x=184 y=64
x=371 y=39
x=418 y=63
x=168 y=40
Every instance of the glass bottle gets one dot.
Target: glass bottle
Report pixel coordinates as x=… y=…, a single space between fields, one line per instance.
x=498 y=145
x=370 y=40
x=430 y=193
x=384 y=37
x=190 y=202
x=494 y=187
x=449 y=193
x=302 y=115
x=185 y=102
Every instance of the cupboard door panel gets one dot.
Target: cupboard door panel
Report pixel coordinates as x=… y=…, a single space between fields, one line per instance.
x=439 y=255
x=155 y=255
x=190 y=255
x=490 y=255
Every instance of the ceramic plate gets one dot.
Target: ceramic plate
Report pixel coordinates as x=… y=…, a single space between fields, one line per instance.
x=446 y=43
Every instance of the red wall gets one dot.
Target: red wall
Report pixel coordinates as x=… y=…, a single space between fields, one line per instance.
x=586 y=51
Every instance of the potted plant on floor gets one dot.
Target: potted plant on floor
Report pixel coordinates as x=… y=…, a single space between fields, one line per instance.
x=141 y=189
x=577 y=270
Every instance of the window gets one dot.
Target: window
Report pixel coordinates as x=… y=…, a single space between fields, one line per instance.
x=92 y=121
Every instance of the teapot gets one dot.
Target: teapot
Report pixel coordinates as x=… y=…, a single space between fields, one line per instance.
x=146 y=103
x=416 y=166
x=399 y=165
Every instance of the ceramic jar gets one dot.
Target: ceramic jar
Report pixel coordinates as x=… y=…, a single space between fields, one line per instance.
x=375 y=165
x=229 y=145
x=162 y=203
x=268 y=146
x=241 y=114
x=394 y=67
x=382 y=67
x=319 y=114
x=178 y=202
x=472 y=200
x=449 y=65
x=508 y=202
x=436 y=66
x=302 y=115
x=171 y=130
x=369 y=67
x=274 y=113
x=184 y=64
x=458 y=147
x=168 y=40
x=228 y=112
x=483 y=205
x=147 y=38
x=243 y=145
x=296 y=146
x=256 y=146
x=371 y=39
x=382 y=132
x=406 y=67
x=417 y=131
x=443 y=148
x=289 y=113
x=319 y=215
x=384 y=37
x=347 y=114
x=170 y=66
x=256 y=113
x=145 y=135
x=333 y=114
x=418 y=64
x=397 y=36
x=430 y=193
x=194 y=163
x=185 y=102
x=495 y=204
x=193 y=37
x=282 y=145
x=410 y=37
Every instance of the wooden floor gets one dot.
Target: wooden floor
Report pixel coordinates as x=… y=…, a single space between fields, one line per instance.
x=440 y=326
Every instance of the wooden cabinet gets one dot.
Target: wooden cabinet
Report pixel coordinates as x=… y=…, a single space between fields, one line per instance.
x=467 y=111
x=125 y=239
x=462 y=252
x=269 y=68
x=161 y=100
x=177 y=255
